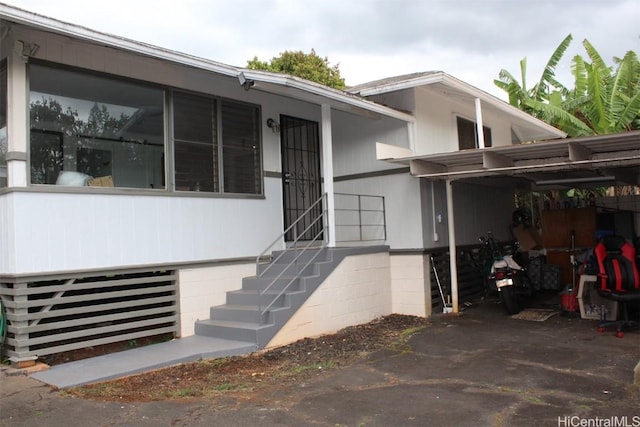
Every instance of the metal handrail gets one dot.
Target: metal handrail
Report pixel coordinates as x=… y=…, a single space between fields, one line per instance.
x=298 y=253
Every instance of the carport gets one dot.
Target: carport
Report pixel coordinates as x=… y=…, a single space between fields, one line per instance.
x=586 y=162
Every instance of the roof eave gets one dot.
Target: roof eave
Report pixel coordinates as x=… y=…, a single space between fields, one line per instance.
x=45 y=23
x=318 y=90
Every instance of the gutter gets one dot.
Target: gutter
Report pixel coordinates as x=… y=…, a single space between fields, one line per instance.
x=306 y=86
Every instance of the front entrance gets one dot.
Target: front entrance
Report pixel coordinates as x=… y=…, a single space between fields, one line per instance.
x=301 y=181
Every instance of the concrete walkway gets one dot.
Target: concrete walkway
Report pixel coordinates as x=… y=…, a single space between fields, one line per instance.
x=116 y=365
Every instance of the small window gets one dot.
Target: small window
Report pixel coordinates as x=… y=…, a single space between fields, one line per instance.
x=195 y=143
x=216 y=145
x=468 y=136
x=241 y=148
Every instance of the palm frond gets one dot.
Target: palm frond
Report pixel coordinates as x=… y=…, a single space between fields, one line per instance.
x=579 y=71
x=629 y=117
x=523 y=73
x=548 y=73
x=597 y=110
x=596 y=59
x=560 y=118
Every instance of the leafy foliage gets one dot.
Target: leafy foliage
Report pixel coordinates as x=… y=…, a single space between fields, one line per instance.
x=605 y=99
x=308 y=66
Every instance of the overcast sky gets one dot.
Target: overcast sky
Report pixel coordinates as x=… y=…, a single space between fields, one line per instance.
x=370 y=39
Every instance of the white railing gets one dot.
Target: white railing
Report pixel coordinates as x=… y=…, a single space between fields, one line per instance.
x=360 y=218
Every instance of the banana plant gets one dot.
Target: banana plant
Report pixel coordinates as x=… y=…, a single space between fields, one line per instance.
x=602 y=101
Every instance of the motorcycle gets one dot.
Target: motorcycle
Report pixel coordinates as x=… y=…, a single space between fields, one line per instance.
x=506 y=276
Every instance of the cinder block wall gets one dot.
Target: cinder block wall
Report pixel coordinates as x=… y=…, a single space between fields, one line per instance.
x=411 y=285
x=356 y=292
x=202 y=288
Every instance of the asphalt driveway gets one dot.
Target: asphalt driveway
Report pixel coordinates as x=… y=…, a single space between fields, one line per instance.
x=478 y=369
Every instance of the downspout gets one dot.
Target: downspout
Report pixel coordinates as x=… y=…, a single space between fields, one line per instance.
x=327 y=173
x=453 y=262
x=479 y=125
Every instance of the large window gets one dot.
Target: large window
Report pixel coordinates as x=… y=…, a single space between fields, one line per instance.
x=216 y=145
x=88 y=129
x=3 y=124
x=468 y=134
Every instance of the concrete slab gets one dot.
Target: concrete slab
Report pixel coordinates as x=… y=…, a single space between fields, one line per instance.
x=129 y=362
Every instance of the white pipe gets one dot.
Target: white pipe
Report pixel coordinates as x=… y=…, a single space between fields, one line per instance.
x=479 y=125
x=453 y=262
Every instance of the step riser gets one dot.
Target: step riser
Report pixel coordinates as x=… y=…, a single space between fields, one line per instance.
x=286 y=269
x=225 y=313
x=226 y=332
x=238 y=298
x=303 y=257
x=261 y=283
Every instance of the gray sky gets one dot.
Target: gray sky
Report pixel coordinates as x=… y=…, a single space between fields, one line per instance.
x=371 y=39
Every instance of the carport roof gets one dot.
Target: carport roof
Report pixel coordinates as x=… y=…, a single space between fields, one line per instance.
x=573 y=162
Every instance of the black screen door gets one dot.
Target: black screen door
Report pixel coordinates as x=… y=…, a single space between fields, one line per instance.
x=301 y=180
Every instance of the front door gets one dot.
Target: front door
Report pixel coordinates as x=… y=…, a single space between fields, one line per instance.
x=301 y=180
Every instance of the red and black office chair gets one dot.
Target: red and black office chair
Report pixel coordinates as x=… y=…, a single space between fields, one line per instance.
x=618 y=279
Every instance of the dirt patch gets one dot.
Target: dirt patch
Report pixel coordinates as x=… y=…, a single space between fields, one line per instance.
x=243 y=375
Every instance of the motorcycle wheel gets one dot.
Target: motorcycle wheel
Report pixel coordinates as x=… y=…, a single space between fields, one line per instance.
x=509 y=299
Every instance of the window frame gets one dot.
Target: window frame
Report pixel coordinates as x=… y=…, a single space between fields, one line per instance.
x=116 y=78
x=219 y=143
x=486 y=131
x=169 y=153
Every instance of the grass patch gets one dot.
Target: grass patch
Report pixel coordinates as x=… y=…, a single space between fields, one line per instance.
x=401 y=344
x=313 y=367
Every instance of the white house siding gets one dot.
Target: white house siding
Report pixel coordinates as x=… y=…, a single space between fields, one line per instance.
x=203 y=288
x=411 y=291
x=356 y=292
x=60 y=232
x=6 y=231
x=437 y=130
x=354 y=138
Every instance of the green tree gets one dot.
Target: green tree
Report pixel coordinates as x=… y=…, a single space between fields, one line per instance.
x=604 y=99
x=308 y=66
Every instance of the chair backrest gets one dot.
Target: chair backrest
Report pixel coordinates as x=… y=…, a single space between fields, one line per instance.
x=617 y=266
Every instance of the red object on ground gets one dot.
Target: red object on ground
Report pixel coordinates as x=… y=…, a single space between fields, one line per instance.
x=569 y=301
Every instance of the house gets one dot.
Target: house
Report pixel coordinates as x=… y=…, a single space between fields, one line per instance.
x=144 y=192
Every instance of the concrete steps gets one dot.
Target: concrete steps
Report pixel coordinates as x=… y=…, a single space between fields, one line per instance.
x=284 y=286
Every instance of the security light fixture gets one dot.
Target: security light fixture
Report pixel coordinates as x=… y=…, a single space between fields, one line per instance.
x=245 y=82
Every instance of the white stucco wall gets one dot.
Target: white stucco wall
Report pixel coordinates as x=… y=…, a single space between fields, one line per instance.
x=206 y=287
x=356 y=292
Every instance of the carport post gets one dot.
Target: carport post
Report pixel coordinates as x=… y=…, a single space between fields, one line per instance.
x=453 y=262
